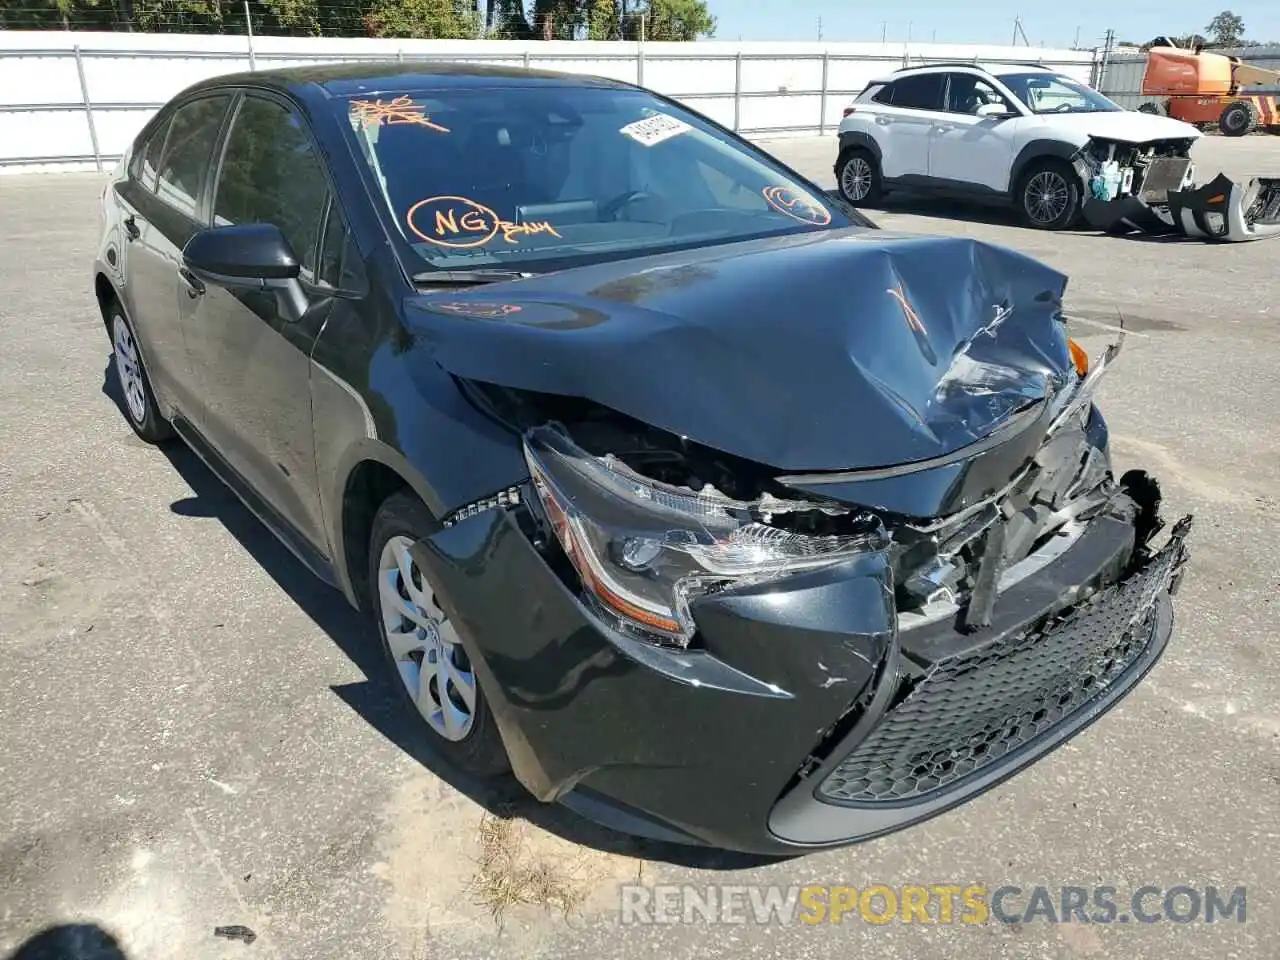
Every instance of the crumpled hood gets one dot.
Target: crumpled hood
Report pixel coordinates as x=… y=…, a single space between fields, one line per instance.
x=830 y=350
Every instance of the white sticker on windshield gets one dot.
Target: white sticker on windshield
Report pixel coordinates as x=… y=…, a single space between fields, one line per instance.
x=654 y=129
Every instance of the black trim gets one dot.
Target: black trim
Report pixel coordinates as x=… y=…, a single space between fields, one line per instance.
x=1037 y=150
x=859 y=138
x=944 y=187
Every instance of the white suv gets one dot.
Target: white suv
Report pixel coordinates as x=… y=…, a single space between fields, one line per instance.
x=1008 y=132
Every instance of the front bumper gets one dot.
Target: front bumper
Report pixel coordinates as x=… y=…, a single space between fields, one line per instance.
x=1221 y=210
x=790 y=730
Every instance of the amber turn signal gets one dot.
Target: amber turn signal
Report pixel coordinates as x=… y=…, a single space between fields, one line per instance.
x=1078 y=357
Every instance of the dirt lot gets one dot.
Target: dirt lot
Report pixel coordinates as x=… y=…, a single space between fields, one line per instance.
x=193 y=732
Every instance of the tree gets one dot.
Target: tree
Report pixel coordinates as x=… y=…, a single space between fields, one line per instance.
x=420 y=18
x=604 y=21
x=671 y=20
x=1226 y=29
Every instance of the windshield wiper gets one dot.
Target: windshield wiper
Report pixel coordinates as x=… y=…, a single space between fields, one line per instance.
x=465 y=277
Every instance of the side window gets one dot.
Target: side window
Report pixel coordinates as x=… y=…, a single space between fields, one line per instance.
x=920 y=92
x=874 y=91
x=884 y=94
x=146 y=159
x=338 y=264
x=967 y=92
x=188 y=148
x=271 y=174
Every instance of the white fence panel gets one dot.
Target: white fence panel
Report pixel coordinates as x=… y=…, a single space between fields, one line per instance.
x=759 y=88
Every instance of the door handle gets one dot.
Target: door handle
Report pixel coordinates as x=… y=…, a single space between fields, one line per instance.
x=195 y=286
x=131 y=227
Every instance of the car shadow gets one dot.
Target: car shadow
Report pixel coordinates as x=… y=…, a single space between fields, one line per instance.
x=376 y=700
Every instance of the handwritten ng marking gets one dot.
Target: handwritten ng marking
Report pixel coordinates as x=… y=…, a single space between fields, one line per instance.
x=461 y=223
x=797 y=205
x=400 y=110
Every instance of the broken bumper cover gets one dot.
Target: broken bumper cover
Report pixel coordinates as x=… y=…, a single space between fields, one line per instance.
x=1221 y=210
x=788 y=730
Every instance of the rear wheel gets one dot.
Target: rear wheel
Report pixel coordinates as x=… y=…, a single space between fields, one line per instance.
x=1048 y=194
x=140 y=407
x=858 y=177
x=435 y=674
x=1238 y=118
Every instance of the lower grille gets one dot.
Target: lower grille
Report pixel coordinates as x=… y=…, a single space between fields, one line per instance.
x=974 y=709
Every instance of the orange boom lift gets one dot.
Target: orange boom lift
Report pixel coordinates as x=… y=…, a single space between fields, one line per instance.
x=1208 y=88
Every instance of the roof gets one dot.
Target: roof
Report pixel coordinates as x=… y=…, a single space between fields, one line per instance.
x=987 y=66
x=341 y=79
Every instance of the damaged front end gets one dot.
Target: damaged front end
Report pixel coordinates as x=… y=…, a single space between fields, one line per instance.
x=797 y=561
x=1150 y=187
x=1007 y=625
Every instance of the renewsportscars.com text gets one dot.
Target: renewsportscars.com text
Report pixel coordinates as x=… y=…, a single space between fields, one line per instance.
x=970 y=904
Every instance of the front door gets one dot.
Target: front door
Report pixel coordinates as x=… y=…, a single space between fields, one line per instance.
x=967 y=148
x=252 y=361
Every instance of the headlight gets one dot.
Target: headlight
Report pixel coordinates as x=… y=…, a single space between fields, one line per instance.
x=645 y=550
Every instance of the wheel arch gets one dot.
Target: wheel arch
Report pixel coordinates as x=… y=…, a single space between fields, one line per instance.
x=372 y=473
x=1037 y=150
x=106 y=294
x=859 y=139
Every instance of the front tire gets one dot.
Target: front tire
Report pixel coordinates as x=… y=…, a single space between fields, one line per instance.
x=1049 y=195
x=434 y=674
x=858 y=178
x=140 y=407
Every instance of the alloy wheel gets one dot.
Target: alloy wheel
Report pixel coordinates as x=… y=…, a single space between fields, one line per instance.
x=855 y=179
x=129 y=369
x=1046 y=197
x=424 y=644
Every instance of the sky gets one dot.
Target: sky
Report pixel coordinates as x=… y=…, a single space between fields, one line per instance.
x=982 y=21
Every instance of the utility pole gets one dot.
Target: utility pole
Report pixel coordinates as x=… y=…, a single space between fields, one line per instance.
x=884 y=31
x=910 y=24
x=819 y=29
x=1076 y=45
x=1014 y=42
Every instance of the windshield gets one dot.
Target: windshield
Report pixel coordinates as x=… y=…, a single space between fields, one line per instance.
x=534 y=178
x=1052 y=93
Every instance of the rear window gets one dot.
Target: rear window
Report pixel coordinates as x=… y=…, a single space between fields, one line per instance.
x=920 y=92
x=538 y=177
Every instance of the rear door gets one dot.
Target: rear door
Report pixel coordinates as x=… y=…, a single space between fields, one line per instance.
x=253 y=361
x=907 y=111
x=971 y=149
x=160 y=202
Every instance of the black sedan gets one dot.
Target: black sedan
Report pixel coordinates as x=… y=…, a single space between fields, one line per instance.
x=675 y=487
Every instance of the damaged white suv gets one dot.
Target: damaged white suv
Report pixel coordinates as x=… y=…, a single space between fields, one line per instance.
x=1015 y=133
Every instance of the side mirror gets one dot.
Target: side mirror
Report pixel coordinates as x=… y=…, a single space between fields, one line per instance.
x=994 y=110
x=252 y=255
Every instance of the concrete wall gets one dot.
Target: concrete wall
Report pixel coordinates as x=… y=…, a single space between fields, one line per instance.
x=759 y=88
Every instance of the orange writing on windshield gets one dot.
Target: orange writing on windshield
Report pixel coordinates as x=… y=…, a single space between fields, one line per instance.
x=400 y=110
x=461 y=223
x=797 y=205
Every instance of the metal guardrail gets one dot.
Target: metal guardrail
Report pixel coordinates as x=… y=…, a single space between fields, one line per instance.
x=255 y=59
